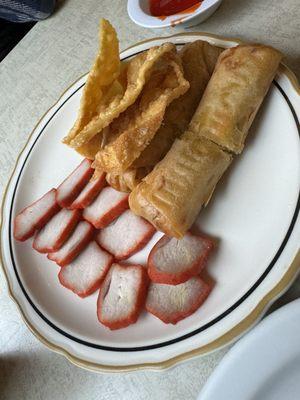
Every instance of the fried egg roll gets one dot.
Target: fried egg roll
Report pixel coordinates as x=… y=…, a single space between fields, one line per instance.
x=171 y=196
x=241 y=79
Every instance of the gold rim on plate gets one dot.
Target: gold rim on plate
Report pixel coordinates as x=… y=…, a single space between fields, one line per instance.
x=225 y=339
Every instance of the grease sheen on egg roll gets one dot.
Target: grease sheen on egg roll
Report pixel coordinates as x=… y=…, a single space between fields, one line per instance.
x=171 y=196
x=241 y=79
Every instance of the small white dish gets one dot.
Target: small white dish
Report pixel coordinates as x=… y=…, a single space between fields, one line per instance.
x=255 y=213
x=265 y=364
x=138 y=11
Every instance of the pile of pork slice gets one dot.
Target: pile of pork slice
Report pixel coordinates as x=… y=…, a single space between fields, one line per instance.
x=87 y=228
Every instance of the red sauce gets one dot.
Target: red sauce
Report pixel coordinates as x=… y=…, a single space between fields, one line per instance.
x=192 y=8
x=159 y=8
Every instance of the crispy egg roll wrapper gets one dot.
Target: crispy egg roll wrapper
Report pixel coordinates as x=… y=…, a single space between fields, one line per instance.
x=171 y=196
x=241 y=79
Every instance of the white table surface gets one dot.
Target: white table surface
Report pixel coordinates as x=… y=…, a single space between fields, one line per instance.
x=50 y=57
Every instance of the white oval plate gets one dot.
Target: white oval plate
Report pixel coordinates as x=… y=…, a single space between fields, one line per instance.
x=255 y=213
x=265 y=364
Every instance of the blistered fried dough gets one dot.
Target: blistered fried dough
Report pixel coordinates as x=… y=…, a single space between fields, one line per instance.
x=128 y=180
x=134 y=129
x=198 y=61
x=137 y=72
x=104 y=72
x=171 y=196
x=173 y=193
x=237 y=87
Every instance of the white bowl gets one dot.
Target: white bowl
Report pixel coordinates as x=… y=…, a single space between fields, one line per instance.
x=139 y=12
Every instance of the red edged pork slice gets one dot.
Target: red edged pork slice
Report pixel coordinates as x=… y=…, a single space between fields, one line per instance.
x=89 y=192
x=69 y=189
x=126 y=235
x=122 y=295
x=53 y=235
x=107 y=206
x=79 y=239
x=174 y=261
x=84 y=274
x=172 y=303
x=35 y=216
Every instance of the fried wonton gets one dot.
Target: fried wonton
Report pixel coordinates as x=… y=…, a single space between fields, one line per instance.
x=102 y=80
x=133 y=130
x=120 y=92
x=198 y=60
